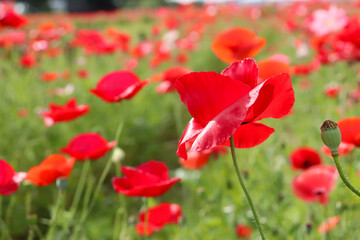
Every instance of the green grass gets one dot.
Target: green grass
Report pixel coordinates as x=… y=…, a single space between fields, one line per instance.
x=211 y=199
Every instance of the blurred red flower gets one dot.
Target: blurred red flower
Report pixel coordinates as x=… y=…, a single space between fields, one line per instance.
x=88 y=146
x=270 y=67
x=315 y=183
x=150 y=179
x=51 y=168
x=243 y=231
x=83 y=73
x=27 y=61
x=350 y=130
x=231 y=103
x=10 y=18
x=118 y=85
x=9 y=180
x=169 y=77
x=332 y=90
x=157 y=217
x=10 y=39
x=304 y=157
x=49 y=76
x=329 y=224
x=344 y=149
x=69 y=111
x=197 y=160
x=236 y=44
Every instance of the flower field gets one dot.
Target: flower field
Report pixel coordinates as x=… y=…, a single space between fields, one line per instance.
x=185 y=122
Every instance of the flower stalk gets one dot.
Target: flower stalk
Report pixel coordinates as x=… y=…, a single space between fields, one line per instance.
x=243 y=186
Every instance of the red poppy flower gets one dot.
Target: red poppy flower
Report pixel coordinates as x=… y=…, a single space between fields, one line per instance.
x=329 y=224
x=9 y=18
x=27 y=61
x=243 y=231
x=150 y=179
x=9 y=179
x=51 y=168
x=157 y=217
x=169 y=77
x=231 y=103
x=65 y=113
x=10 y=39
x=270 y=67
x=49 y=76
x=83 y=73
x=350 y=130
x=304 y=157
x=315 y=183
x=197 y=160
x=332 y=90
x=344 y=149
x=236 y=44
x=118 y=85
x=88 y=146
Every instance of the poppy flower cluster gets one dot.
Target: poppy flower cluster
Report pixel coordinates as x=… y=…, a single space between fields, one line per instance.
x=230 y=104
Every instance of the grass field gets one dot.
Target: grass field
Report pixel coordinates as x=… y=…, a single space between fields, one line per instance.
x=150 y=125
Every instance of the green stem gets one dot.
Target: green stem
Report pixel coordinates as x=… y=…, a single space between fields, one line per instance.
x=80 y=187
x=247 y=194
x=343 y=177
x=121 y=213
x=146 y=230
x=54 y=217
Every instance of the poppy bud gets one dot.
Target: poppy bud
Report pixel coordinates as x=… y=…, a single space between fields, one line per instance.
x=331 y=136
x=61 y=183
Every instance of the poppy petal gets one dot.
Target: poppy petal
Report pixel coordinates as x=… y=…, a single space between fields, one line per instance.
x=250 y=135
x=156 y=168
x=223 y=126
x=276 y=98
x=245 y=71
x=191 y=131
x=269 y=67
x=6 y=172
x=199 y=90
x=350 y=130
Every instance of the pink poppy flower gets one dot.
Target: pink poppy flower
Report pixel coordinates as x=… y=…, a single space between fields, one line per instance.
x=315 y=183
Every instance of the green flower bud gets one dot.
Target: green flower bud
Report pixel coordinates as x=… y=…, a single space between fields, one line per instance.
x=61 y=183
x=331 y=136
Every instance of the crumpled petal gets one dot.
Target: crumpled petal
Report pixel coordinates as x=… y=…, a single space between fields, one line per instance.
x=245 y=71
x=276 y=98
